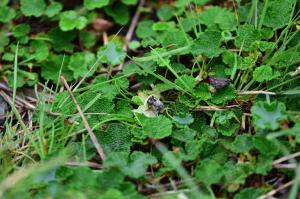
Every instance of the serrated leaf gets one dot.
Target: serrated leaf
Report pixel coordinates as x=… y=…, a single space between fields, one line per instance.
x=263 y=73
x=4 y=40
x=208 y=44
x=62 y=41
x=92 y=4
x=33 y=7
x=53 y=9
x=224 y=95
x=115 y=138
x=246 y=35
x=129 y=2
x=184 y=135
x=88 y=38
x=157 y=127
x=119 y=12
x=112 y=54
x=202 y=91
x=242 y=143
x=165 y=12
x=21 y=30
x=6 y=14
x=209 y=172
x=41 y=50
x=268 y=116
x=70 y=20
x=249 y=193
x=265 y=146
x=278 y=13
x=186 y=82
x=80 y=63
x=222 y=17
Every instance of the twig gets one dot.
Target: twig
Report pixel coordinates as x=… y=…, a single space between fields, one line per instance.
x=273 y=192
x=285 y=166
x=285 y=158
x=133 y=24
x=256 y=93
x=89 y=164
x=213 y=108
x=131 y=29
x=98 y=147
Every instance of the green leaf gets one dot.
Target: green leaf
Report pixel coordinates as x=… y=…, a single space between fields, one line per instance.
x=119 y=12
x=92 y=4
x=174 y=38
x=62 y=41
x=88 y=38
x=134 y=167
x=130 y=2
x=111 y=194
x=208 y=44
x=186 y=82
x=184 y=119
x=228 y=129
x=4 y=2
x=138 y=164
x=268 y=116
x=157 y=127
x=80 y=63
x=209 y=172
x=51 y=68
x=23 y=77
x=115 y=138
x=21 y=30
x=165 y=12
x=246 y=35
x=162 y=26
x=224 y=95
x=265 y=146
x=33 y=7
x=112 y=54
x=144 y=29
x=263 y=73
x=278 y=13
x=249 y=193
x=6 y=14
x=70 y=20
x=53 y=9
x=222 y=17
x=184 y=135
x=242 y=144
x=41 y=50
x=4 y=40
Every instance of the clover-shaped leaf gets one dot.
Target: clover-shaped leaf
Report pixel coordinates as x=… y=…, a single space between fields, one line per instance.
x=70 y=20
x=33 y=7
x=268 y=116
x=112 y=54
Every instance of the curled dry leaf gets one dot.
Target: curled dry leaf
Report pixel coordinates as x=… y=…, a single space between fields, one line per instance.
x=102 y=25
x=218 y=82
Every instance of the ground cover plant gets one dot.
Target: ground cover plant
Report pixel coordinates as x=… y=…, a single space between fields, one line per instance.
x=150 y=99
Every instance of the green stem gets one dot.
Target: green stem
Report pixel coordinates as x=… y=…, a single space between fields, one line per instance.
x=164 y=54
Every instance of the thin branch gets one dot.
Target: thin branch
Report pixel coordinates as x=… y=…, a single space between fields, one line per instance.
x=285 y=166
x=213 y=108
x=93 y=137
x=89 y=164
x=285 y=158
x=256 y=93
x=133 y=23
x=131 y=29
x=273 y=192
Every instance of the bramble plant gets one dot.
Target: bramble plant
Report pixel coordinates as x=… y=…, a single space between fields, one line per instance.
x=150 y=99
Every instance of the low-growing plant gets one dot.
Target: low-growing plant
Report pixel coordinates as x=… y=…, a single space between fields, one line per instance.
x=202 y=104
